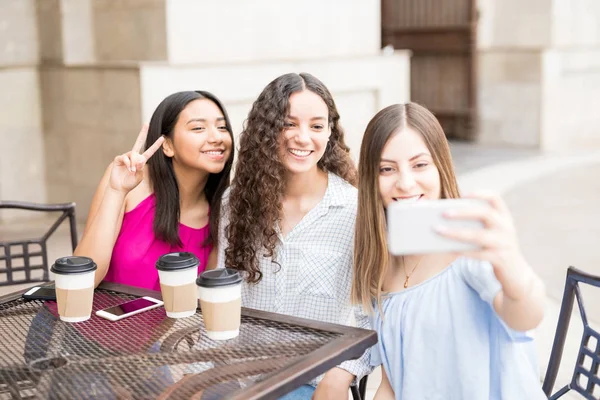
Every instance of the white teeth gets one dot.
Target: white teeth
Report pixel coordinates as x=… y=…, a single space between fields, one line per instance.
x=214 y=153
x=407 y=199
x=299 y=153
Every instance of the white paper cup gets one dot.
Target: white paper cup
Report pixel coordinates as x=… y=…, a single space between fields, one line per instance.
x=220 y=294
x=177 y=273
x=74 y=284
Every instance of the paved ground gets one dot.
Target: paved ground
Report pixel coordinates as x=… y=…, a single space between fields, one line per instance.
x=554 y=201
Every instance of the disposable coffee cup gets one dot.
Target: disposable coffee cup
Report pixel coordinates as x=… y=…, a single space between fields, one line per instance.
x=74 y=283
x=220 y=294
x=177 y=273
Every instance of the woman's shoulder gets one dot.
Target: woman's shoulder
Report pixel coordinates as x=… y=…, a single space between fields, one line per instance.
x=139 y=196
x=342 y=190
x=480 y=276
x=136 y=201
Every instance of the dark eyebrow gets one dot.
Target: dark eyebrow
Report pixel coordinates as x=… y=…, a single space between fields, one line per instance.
x=204 y=120
x=419 y=155
x=312 y=119
x=411 y=159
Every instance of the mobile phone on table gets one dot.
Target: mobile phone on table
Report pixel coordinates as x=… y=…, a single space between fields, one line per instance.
x=129 y=308
x=40 y=293
x=411 y=226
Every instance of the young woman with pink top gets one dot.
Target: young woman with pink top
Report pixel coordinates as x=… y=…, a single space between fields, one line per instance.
x=139 y=213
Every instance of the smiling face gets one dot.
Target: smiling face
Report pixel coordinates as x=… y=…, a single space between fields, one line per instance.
x=306 y=133
x=200 y=138
x=407 y=172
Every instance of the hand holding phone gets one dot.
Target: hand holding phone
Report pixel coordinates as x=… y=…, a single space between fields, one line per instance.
x=129 y=308
x=411 y=226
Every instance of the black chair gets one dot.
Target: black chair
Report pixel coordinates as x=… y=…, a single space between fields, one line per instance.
x=359 y=392
x=25 y=250
x=585 y=379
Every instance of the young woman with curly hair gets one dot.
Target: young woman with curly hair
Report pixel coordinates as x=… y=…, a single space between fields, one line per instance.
x=288 y=221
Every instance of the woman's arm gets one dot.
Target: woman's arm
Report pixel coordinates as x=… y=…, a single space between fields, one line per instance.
x=520 y=303
x=102 y=226
x=385 y=391
x=211 y=262
x=106 y=212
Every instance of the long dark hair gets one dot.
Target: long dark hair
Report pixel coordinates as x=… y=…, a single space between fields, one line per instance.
x=259 y=181
x=162 y=176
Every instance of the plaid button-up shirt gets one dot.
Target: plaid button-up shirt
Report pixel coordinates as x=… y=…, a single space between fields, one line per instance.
x=313 y=274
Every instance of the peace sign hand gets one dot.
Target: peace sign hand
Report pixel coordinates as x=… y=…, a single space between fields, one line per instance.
x=127 y=169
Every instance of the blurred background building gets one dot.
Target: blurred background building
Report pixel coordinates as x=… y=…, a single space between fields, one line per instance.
x=78 y=77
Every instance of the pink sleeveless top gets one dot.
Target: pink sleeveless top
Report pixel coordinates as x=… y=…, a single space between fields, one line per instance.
x=137 y=249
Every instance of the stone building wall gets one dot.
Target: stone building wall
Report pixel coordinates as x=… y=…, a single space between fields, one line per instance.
x=539 y=70
x=94 y=70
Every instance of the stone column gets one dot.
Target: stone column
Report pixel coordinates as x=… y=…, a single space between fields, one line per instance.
x=21 y=141
x=539 y=67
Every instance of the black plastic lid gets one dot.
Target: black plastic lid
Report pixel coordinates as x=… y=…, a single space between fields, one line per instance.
x=177 y=261
x=219 y=277
x=73 y=265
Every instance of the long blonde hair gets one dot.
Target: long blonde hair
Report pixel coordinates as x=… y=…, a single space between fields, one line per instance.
x=371 y=255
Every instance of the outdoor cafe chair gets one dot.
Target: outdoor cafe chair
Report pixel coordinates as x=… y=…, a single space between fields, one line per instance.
x=359 y=392
x=29 y=256
x=585 y=379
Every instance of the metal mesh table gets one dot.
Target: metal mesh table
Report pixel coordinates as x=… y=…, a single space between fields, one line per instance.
x=149 y=355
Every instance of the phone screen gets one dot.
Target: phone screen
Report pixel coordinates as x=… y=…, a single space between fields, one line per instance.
x=40 y=293
x=130 y=306
x=46 y=292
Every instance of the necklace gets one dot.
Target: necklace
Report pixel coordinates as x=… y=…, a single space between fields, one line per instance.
x=411 y=272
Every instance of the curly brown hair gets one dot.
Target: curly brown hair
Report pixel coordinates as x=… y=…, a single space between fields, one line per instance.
x=259 y=183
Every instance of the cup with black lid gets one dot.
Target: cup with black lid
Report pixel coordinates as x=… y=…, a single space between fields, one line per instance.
x=74 y=282
x=177 y=273
x=220 y=294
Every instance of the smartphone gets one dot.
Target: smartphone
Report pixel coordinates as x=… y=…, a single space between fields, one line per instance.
x=40 y=293
x=411 y=226
x=129 y=308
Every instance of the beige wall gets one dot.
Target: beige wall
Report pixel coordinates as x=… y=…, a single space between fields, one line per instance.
x=208 y=31
x=539 y=70
x=509 y=95
x=130 y=30
x=570 y=108
x=18 y=33
x=21 y=143
x=83 y=75
x=91 y=115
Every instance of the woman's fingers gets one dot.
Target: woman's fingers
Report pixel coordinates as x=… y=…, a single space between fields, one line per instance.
x=137 y=162
x=482 y=238
x=486 y=215
x=492 y=199
x=141 y=139
x=123 y=159
x=152 y=149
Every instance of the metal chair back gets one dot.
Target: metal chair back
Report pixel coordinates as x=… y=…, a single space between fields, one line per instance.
x=23 y=256
x=585 y=379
